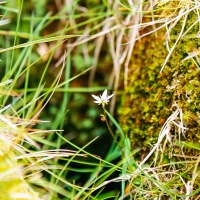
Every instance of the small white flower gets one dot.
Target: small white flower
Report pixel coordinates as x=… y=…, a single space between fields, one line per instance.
x=102 y=99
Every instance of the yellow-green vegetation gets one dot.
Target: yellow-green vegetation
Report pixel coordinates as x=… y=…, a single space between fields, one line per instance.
x=13 y=184
x=160 y=107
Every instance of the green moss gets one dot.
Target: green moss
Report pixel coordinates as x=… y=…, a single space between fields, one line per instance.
x=150 y=95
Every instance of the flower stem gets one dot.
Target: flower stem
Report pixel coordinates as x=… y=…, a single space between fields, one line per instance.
x=110 y=130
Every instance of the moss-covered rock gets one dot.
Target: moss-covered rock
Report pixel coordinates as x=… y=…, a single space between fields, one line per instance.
x=151 y=97
x=160 y=109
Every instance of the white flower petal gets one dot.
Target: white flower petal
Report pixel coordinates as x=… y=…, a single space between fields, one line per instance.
x=104 y=95
x=96 y=97
x=109 y=96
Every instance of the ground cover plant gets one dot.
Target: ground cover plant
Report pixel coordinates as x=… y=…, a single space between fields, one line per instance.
x=99 y=99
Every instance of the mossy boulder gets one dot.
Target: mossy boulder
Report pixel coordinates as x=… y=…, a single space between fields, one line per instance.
x=152 y=96
x=160 y=109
